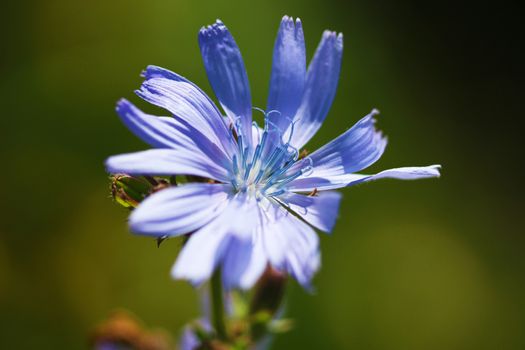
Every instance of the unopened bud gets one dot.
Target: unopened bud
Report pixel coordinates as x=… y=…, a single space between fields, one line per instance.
x=266 y=302
x=269 y=292
x=129 y=191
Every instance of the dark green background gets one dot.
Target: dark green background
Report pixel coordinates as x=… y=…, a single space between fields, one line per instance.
x=435 y=264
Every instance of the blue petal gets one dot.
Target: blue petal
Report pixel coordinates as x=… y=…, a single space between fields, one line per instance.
x=320 y=88
x=211 y=244
x=189 y=104
x=227 y=74
x=188 y=339
x=159 y=72
x=320 y=211
x=168 y=132
x=244 y=262
x=309 y=184
x=288 y=73
x=201 y=254
x=302 y=255
x=179 y=210
x=354 y=150
x=149 y=128
x=166 y=162
x=152 y=71
x=293 y=246
x=245 y=216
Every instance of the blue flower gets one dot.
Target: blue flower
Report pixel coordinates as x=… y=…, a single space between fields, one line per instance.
x=266 y=197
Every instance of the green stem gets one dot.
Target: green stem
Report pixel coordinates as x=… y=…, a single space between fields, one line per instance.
x=217 y=301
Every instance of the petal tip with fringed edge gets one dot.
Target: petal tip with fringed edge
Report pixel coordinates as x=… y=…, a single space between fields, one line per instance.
x=227 y=75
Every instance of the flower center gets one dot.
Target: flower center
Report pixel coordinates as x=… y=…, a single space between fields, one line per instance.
x=271 y=165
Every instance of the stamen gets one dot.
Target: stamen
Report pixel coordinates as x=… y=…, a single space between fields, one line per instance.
x=254 y=123
x=276 y=193
x=265 y=169
x=235 y=184
x=295 y=152
x=290 y=178
x=278 y=173
x=255 y=160
x=238 y=125
x=308 y=170
x=259 y=175
x=281 y=183
x=305 y=212
x=260 y=110
x=275 y=160
x=272 y=111
x=271 y=158
x=235 y=165
x=268 y=122
x=260 y=146
x=292 y=125
x=244 y=158
x=240 y=146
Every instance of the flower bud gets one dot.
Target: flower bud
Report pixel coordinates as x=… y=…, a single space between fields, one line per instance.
x=269 y=292
x=129 y=191
x=266 y=303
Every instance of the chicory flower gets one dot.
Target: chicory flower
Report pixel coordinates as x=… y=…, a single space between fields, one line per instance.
x=264 y=197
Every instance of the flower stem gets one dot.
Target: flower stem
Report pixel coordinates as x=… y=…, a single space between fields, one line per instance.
x=217 y=301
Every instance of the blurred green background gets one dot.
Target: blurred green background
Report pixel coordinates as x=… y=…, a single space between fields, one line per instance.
x=435 y=264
